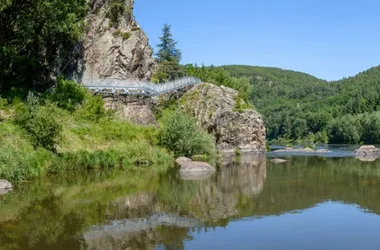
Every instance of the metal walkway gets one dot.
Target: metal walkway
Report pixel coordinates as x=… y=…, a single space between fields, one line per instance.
x=133 y=87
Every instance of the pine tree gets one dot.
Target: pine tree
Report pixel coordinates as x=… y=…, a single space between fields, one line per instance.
x=167 y=48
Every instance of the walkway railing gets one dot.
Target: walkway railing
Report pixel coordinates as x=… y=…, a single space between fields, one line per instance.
x=133 y=87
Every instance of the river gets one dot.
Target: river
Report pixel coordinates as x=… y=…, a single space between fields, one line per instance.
x=310 y=202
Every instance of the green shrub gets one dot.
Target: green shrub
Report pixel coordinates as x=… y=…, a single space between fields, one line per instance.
x=241 y=105
x=237 y=151
x=124 y=35
x=39 y=123
x=18 y=159
x=181 y=135
x=116 y=9
x=93 y=108
x=3 y=103
x=136 y=29
x=68 y=94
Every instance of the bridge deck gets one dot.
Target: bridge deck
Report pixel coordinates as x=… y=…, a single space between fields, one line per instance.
x=131 y=87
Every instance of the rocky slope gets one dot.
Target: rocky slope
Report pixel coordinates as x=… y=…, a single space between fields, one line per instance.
x=214 y=108
x=115 y=45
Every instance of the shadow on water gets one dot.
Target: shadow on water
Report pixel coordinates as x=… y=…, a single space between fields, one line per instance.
x=145 y=209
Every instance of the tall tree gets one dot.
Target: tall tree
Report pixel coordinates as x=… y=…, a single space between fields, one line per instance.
x=37 y=40
x=168 y=57
x=167 y=48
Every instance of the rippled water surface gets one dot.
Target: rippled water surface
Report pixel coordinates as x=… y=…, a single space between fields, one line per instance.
x=310 y=202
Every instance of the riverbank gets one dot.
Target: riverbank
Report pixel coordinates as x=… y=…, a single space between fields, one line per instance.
x=47 y=137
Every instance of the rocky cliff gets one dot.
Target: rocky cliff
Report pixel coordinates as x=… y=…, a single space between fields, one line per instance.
x=114 y=44
x=216 y=109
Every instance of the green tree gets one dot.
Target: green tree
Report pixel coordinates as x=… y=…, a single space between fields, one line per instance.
x=168 y=57
x=167 y=48
x=38 y=40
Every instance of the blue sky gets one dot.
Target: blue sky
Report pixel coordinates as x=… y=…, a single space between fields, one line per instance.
x=329 y=39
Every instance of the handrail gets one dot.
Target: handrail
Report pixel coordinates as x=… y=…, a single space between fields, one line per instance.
x=133 y=87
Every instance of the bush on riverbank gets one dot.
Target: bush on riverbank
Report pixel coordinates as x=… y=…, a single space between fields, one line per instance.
x=181 y=135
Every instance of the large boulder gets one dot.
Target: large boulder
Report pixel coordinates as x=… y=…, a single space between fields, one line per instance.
x=194 y=170
x=119 y=50
x=216 y=109
x=367 y=150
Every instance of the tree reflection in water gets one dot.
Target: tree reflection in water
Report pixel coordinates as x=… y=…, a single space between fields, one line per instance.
x=143 y=209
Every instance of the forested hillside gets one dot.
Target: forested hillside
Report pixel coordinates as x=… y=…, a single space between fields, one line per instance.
x=297 y=105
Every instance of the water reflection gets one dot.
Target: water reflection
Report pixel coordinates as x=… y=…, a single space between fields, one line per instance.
x=146 y=209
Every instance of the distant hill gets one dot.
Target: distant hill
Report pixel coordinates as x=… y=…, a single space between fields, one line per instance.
x=297 y=105
x=269 y=73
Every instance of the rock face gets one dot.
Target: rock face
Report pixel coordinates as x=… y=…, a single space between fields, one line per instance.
x=214 y=108
x=136 y=109
x=115 y=49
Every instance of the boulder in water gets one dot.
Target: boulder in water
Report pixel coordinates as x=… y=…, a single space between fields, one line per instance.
x=367 y=150
x=4 y=184
x=182 y=160
x=194 y=170
x=278 y=161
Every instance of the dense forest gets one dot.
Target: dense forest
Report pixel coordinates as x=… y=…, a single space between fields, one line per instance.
x=299 y=106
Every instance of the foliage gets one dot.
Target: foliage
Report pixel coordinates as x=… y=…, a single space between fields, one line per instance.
x=299 y=106
x=124 y=35
x=93 y=108
x=355 y=128
x=167 y=71
x=181 y=135
x=84 y=139
x=38 y=40
x=167 y=51
x=237 y=151
x=42 y=127
x=221 y=77
x=117 y=9
x=68 y=94
x=18 y=159
x=168 y=57
x=3 y=103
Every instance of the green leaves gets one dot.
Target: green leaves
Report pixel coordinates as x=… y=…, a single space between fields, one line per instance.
x=180 y=135
x=39 y=123
x=167 y=48
x=38 y=38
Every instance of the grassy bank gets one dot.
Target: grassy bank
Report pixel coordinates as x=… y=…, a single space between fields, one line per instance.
x=68 y=129
x=50 y=134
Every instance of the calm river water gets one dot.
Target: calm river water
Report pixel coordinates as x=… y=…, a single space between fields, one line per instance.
x=310 y=202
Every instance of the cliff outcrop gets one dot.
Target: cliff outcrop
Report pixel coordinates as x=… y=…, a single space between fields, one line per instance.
x=216 y=109
x=114 y=44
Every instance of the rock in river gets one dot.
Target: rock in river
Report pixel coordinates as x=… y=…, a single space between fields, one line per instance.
x=5 y=187
x=367 y=150
x=4 y=184
x=194 y=170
